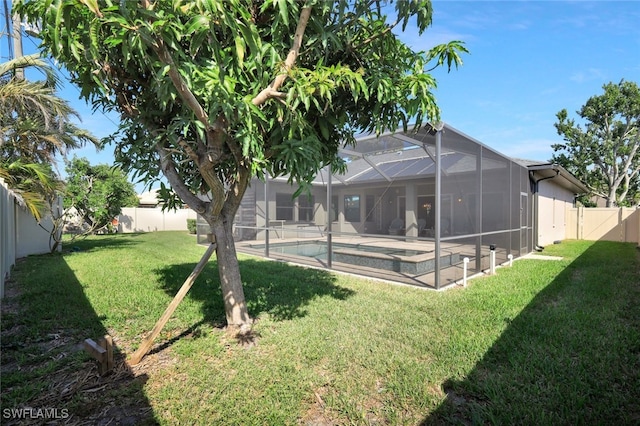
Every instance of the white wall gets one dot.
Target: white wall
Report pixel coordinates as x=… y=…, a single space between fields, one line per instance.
x=7 y=234
x=553 y=202
x=30 y=237
x=134 y=219
x=20 y=234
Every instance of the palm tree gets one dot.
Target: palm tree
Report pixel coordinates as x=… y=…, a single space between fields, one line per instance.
x=35 y=128
x=31 y=184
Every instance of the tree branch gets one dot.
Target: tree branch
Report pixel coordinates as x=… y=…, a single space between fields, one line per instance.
x=216 y=186
x=377 y=35
x=272 y=90
x=215 y=139
x=178 y=82
x=166 y=163
x=181 y=86
x=236 y=192
x=188 y=150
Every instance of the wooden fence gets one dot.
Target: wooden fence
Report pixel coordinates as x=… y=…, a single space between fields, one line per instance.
x=611 y=224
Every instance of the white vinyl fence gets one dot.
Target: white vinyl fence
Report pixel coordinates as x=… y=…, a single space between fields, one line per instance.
x=137 y=219
x=20 y=234
x=7 y=234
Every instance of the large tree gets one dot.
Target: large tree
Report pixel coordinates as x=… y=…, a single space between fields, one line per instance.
x=214 y=92
x=603 y=150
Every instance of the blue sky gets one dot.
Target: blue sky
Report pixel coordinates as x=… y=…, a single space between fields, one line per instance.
x=528 y=60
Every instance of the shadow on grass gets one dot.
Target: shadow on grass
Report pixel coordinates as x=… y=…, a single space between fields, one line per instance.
x=572 y=356
x=101 y=242
x=47 y=378
x=278 y=289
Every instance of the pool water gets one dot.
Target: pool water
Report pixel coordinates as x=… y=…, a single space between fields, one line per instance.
x=318 y=249
x=390 y=259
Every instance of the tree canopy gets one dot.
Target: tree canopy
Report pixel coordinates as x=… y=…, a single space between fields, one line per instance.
x=603 y=150
x=215 y=92
x=97 y=192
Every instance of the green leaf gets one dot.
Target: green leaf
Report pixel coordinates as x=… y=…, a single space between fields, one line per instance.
x=92 y=5
x=198 y=24
x=324 y=129
x=240 y=46
x=284 y=12
x=250 y=38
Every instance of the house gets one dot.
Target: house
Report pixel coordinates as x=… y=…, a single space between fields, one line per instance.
x=421 y=208
x=554 y=191
x=148 y=199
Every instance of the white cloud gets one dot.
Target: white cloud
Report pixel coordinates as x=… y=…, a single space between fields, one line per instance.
x=588 y=75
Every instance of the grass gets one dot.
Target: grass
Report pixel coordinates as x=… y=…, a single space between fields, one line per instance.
x=542 y=342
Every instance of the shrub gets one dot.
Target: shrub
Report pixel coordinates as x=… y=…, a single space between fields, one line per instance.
x=191 y=226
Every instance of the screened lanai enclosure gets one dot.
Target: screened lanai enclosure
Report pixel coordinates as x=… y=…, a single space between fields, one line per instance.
x=414 y=208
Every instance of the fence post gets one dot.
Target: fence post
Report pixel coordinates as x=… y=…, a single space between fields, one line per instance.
x=579 y=223
x=622 y=226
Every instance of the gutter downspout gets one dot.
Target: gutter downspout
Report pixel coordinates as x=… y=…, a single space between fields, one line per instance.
x=535 y=188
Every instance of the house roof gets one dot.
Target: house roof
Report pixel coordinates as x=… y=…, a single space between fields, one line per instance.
x=557 y=173
x=149 y=198
x=411 y=155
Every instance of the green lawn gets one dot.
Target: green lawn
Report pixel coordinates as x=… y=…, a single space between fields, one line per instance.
x=542 y=342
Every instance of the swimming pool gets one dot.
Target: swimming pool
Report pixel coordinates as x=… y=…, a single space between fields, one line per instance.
x=319 y=248
x=411 y=262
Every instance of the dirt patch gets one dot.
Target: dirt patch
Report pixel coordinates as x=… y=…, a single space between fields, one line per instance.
x=317 y=415
x=49 y=379
x=75 y=394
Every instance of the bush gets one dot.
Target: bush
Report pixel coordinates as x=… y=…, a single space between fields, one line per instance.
x=191 y=226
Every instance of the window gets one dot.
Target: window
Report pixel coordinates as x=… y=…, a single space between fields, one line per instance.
x=352 y=208
x=306 y=204
x=284 y=206
x=287 y=207
x=334 y=208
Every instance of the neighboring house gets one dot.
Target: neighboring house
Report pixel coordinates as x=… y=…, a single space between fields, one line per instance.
x=148 y=199
x=411 y=207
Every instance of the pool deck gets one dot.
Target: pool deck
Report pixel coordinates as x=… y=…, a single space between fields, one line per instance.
x=449 y=275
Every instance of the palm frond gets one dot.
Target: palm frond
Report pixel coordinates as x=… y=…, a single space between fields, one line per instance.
x=7 y=69
x=31 y=183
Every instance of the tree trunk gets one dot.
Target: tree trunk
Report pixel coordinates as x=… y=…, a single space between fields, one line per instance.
x=611 y=199
x=232 y=291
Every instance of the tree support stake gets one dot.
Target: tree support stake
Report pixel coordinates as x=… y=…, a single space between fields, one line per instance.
x=146 y=343
x=102 y=351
